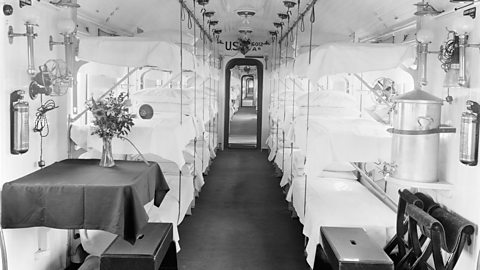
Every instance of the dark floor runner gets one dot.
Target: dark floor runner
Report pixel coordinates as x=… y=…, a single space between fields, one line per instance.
x=243 y=127
x=241 y=220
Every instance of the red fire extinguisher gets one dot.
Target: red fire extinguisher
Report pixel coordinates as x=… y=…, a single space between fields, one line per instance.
x=469 y=128
x=19 y=125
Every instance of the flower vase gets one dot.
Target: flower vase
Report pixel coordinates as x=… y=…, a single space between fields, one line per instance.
x=107 y=156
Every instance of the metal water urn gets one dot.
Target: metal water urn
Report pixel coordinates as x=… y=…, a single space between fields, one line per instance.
x=416 y=135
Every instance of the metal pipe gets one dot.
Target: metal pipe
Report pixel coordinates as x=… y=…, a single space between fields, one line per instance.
x=375 y=189
x=408 y=25
x=462 y=44
x=69 y=53
x=411 y=24
x=142 y=76
x=73 y=120
x=31 y=53
x=299 y=18
x=422 y=51
x=3 y=250
x=30 y=48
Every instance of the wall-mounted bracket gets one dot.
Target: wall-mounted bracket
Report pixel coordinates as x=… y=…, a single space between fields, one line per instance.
x=28 y=34
x=31 y=35
x=67 y=41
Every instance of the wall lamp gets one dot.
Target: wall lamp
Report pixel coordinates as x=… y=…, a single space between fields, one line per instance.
x=216 y=34
x=67 y=29
x=452 y=54
x=31 y=35
x=424 y=38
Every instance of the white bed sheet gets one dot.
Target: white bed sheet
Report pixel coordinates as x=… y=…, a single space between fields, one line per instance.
x=340 y=203
x=168 y=212
x=202 y=155
x=340 y=140
x=293 y=163
x=164 y=137
x=137 y=52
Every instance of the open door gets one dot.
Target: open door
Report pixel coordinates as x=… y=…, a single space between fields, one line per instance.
x=243 y=103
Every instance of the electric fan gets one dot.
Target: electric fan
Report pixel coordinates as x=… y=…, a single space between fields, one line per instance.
x=383 y=90
x=53 y=79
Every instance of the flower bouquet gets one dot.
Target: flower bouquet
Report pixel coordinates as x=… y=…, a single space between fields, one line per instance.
x=111 y=119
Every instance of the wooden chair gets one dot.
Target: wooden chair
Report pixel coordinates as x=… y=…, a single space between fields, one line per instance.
x=446 y=230
x=398 y=247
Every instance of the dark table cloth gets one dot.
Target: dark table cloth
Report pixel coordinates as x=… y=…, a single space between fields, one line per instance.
x=79 y=194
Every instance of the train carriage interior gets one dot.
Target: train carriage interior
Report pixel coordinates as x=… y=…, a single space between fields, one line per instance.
x=248 y=134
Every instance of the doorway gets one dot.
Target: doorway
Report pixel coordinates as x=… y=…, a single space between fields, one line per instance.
x=243 y=103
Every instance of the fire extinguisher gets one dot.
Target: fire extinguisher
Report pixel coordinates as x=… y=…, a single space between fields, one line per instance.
x=19 y=125
x=469 y=128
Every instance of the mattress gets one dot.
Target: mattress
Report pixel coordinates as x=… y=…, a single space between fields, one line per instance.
x=292 y=160
x=340 y=140
x=176 y=203
x=164 y=137
x=201 y=153
x=338 y=202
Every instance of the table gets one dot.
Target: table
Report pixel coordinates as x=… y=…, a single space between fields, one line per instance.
x=351 y=248
x=154 y=250
x=79 y=194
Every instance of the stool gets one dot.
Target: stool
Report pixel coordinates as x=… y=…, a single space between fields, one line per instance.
x=153 y=250
x=351 y=248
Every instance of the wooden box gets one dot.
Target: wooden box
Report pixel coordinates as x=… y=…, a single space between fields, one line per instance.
x=351 y=248
x=153 y=250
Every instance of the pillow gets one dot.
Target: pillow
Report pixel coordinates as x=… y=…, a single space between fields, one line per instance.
x=328 y=111
x=328 y=98
x=340 y=167
x=164 y=107
x=167 y=95
x=342 y=175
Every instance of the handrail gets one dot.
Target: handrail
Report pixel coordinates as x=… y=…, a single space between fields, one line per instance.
x=192 y=15
x=74 y=119
x=300 y=17
x=374 y=188
x=142 y=76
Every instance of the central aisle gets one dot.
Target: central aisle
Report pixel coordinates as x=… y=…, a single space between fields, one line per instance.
x=243 y=127
x=241 y=220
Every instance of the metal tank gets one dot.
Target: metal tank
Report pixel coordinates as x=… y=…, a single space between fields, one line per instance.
x=416 y=135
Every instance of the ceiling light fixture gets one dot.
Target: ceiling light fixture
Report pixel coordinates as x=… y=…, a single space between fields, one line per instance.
x=202 y=2
x=216 y=34
x=283 y=16
x=209 y=14
x=278 y=24
x=65 y=3
x=289 y=4
x=245 y=32
x=211 y=23
x=424 y=9
x=245 y=14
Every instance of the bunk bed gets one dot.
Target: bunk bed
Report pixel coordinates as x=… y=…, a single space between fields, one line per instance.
x=333 y=136
x=166 y=137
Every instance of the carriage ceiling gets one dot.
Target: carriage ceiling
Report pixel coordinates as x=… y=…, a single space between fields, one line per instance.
x=335 y=19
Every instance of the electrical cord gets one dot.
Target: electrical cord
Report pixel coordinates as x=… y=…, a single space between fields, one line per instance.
x=41 y=122
x=446 y=54
x=41 y=125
